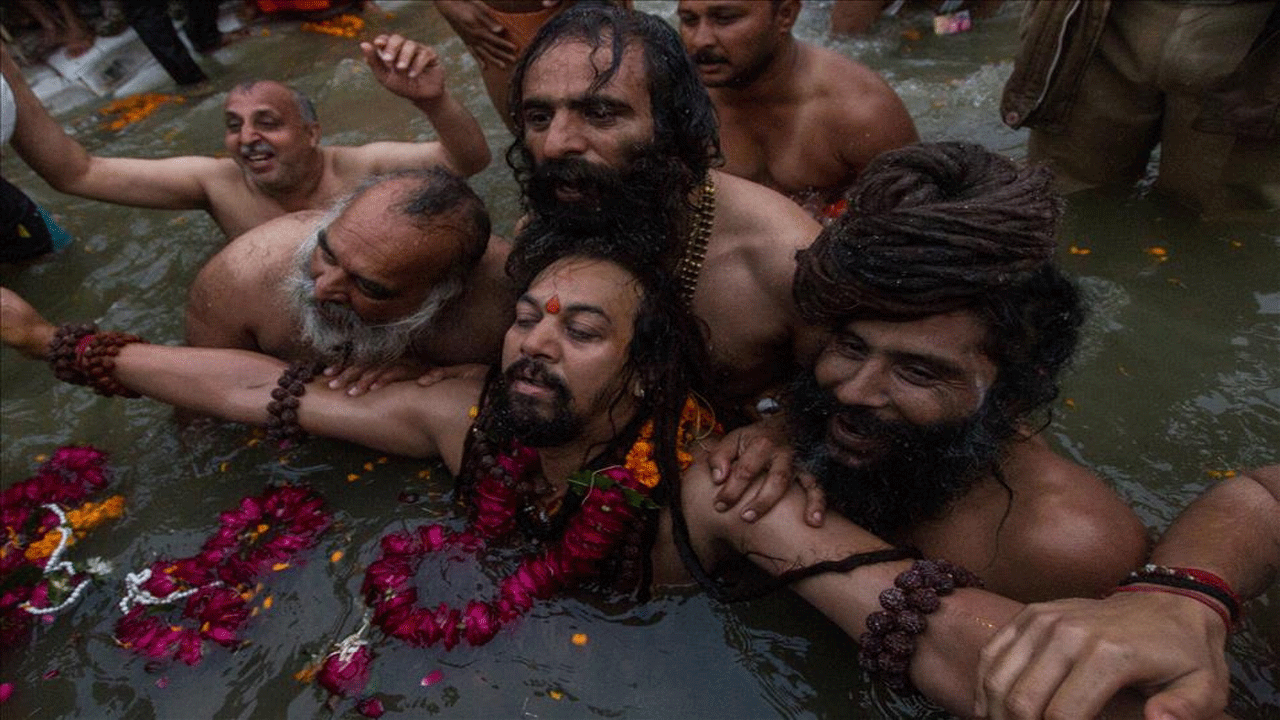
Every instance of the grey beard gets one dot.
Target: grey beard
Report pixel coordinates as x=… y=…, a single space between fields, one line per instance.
x=339 y=335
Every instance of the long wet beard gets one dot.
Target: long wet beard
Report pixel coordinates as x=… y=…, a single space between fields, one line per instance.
x=649 y=195
x=336 y=334
x=918 y=472
x=521 y=418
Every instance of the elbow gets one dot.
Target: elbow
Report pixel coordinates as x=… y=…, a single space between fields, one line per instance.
x=473 y=162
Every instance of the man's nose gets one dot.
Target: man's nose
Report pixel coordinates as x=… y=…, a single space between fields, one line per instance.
x=330 y=286
x=540 y=342
x=699 y=36
x=866 y=387
x=564 y=137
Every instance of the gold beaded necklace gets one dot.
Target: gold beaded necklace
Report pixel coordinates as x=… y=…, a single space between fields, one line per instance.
x=695 y=250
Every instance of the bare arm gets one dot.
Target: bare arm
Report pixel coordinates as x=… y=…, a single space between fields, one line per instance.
x=414 y=71
x=169 y=183
x=478 y=30
x=1066 y=657
x=236 y=385
x=875 y=121
x=942 y=666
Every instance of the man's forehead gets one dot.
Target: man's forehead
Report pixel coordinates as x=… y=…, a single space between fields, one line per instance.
x=580 y=62
x=264 y=93
x=956 y=333
x=587 y=281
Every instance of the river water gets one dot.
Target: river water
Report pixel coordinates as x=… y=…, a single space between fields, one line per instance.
x=1176 y=385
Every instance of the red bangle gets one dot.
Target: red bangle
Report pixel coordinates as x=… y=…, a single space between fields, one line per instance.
x=1221 y=611
x=1209 y=578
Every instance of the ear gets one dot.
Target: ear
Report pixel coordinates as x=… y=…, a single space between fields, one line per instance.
x=313 y=134
x=637 y=388
x=785 y=15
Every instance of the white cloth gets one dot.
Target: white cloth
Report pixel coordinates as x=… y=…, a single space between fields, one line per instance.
x=8 y=111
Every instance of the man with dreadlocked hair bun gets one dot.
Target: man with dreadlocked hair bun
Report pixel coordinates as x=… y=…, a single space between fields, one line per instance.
x=931 y=227
x=948 y=325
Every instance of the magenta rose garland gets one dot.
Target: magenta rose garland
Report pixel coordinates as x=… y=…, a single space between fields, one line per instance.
x=260 y=534
x=42 y=516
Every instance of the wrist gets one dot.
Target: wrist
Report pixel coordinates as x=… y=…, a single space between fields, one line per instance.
x=1202 y=586
x=433 y=105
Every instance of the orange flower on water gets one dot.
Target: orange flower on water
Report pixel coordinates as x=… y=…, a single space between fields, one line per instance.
x=347 y=26
x=82 y=519
x=131 y=109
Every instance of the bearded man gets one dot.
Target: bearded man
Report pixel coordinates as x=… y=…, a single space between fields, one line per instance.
x=613 y=125
x=402 y=269
x=948 y=327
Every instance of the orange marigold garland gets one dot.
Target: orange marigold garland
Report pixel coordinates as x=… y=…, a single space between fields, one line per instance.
x=130 y=110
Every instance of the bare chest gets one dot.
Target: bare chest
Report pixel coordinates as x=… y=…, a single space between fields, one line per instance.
x=786 y=152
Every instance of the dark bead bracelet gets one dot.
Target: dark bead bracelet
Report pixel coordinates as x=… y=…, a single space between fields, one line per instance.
x=81 y=355
x=96 y=359
x=62 y=351
x=890 y=640
x=282 y=425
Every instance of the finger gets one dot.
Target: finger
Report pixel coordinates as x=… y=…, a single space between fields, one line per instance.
x=815 y=504
x=1038 y=677
x=770 y=491
x=721 y=458
x=1092 y=683
x=424 y=58
x=371 y=380
x=344 y=378
x=996 y=666
x=430 y=377
x=390 y=50
x=753 y=460
x=490 y=21
x=489 y=57
x=408 y=55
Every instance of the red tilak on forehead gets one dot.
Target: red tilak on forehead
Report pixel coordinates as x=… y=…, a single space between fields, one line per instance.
x=553 y=304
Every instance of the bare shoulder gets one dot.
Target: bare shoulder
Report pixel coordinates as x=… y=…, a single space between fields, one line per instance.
x=1067 y=523
x=266 y=249
x=750 y=214
x=842 y=79
x=252 y=262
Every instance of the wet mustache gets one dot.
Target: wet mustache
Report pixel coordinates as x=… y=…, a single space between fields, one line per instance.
x=572 y=171
x=258 y=146
x=706 y=57
x=535 y=372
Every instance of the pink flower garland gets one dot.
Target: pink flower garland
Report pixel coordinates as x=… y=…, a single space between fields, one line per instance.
x=591 y=535
x=214 y=582
x=66 y=479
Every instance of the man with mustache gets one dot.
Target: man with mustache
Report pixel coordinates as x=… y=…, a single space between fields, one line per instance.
x=798 y=118
x=400 y=270
x=948 y=325
x=612 y=125
x=275 y=164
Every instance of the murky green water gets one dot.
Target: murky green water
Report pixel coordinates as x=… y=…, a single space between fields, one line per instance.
x=1178 y=381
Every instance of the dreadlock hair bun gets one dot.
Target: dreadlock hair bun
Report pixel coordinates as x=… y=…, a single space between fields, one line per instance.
x=929 y=228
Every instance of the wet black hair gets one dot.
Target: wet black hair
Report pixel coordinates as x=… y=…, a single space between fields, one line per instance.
x=684 y=120
x=938 y=227
x=667 y=358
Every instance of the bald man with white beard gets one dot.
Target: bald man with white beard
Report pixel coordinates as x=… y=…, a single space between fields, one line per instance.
x=400 y=274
